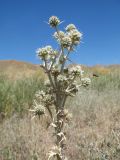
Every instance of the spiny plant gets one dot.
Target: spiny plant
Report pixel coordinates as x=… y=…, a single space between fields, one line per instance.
x=63 y=81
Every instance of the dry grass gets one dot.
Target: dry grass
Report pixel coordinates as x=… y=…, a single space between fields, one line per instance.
x=23 y=139
x=94 y=133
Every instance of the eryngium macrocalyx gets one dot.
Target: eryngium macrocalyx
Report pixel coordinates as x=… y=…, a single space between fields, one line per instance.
x=54 y=21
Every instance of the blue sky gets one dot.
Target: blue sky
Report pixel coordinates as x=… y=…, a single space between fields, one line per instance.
x=22 y=28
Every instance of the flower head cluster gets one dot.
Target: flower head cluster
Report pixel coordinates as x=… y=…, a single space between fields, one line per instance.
x=44 y=98
x=75 y=36
x=55 y=70
x=67 y=84
x=40 y=94
x=73 y=89
x=54 y=21
x=69 y=38
x=53 y=54
x=66 y=41
x=59 y=35
x=70 y=27
x=47 y=53
x=85 y=82
x=63 y=39
x=44 y=53
x=38 y=109
x=63 y=82
x=76 y=70
x=61 y=78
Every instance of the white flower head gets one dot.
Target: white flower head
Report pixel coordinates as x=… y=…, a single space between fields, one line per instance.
x=54 y=21
x=70 y=27
x=40 y=93
x=66 y=41
x=44 y=52
x=76 y=70
x=38 y=109
x=53 y=54
x=62 y=78
x=75 y=36
x=85 y=81
x=49 y=48
x=59 y=35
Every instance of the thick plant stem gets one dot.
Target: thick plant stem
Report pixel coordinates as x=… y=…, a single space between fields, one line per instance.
x=59 y=133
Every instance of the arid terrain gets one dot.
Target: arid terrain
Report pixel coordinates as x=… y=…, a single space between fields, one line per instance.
x=93 y=133
x=17 y=70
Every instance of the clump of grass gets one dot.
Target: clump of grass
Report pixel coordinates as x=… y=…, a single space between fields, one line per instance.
x=17 y=96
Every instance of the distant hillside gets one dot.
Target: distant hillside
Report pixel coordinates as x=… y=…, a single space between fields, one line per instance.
x=99 y=69
x=16 y=69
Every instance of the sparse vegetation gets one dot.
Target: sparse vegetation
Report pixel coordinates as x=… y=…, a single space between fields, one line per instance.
x=95 y=133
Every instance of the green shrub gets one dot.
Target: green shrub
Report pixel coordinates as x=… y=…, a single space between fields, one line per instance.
x=17 y=96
